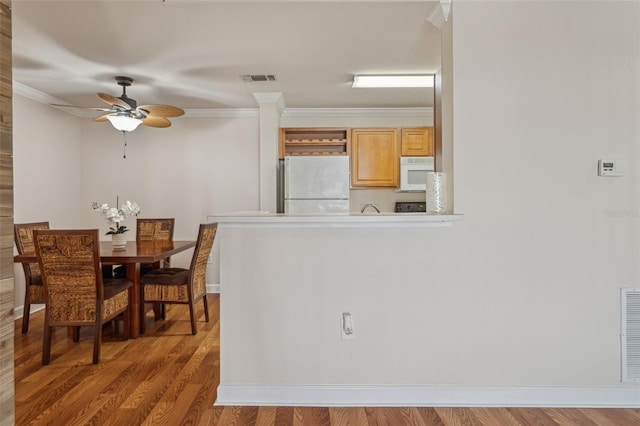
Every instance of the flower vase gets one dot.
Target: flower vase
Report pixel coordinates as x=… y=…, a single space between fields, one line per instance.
x=118 y=241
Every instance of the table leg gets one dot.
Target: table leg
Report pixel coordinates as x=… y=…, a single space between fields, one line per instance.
x=133 y=275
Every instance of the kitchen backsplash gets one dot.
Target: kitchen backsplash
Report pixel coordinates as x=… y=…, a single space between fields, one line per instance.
x=385 y=199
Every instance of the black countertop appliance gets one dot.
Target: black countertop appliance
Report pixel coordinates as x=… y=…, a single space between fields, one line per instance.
x=411 y=207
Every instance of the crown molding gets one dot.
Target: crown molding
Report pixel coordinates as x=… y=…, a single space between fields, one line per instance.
x=43 y=98
x=262 y=98
x=222 y=112
x=358 y=112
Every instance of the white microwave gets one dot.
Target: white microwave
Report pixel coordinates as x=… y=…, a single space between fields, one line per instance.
x=413 y=173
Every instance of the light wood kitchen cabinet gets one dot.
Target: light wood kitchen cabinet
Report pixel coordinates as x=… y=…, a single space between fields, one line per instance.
x=417 y=142
x=375 y=158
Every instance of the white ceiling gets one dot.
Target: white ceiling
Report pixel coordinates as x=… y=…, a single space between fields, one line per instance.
x=191 y=53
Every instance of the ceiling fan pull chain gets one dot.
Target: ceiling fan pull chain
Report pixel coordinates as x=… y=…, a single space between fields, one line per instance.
x=124 y=149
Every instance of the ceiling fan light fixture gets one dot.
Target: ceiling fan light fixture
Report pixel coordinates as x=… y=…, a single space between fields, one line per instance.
x=124 y=122
x=380 y=81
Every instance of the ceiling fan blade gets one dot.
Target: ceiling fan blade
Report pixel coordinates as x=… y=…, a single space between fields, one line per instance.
x=162 y=110
x=112 y=100
x=153 y=121
x=74 y=106
x=100 y=118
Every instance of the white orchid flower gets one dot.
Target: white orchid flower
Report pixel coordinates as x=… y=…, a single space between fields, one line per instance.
x=116 y=216
x=130 y=209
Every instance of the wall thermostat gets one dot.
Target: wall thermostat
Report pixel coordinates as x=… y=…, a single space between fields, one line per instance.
x=610 y=168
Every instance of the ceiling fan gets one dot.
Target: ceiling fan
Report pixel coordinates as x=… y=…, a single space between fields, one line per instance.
x=125 y=114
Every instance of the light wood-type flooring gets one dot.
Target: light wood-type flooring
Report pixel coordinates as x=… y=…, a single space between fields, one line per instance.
x=169 y=377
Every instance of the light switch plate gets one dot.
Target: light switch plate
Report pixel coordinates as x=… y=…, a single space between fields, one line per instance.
x=347 y=328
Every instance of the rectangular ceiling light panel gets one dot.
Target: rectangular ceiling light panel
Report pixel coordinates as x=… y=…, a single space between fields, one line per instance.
x=425 y=80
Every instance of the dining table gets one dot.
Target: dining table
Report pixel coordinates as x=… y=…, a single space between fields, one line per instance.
x=131 y=256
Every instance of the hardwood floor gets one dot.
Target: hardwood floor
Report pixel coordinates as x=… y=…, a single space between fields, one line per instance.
x=169 y=377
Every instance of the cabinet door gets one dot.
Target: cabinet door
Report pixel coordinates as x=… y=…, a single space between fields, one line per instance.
x=417 y=142
x=375 y=158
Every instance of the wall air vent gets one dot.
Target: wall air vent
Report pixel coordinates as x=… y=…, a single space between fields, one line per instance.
x=251 y=78
x=630 y=334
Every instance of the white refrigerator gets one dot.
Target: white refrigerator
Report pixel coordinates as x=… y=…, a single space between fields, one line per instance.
x=316 y=184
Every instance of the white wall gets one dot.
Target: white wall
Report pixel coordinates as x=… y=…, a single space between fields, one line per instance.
x=403 y=117
x=47 y=170
x=542 y=90
x=196 y=167
x=526 y=290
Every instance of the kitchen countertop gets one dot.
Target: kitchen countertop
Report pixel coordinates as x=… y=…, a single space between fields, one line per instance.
x=335 y=220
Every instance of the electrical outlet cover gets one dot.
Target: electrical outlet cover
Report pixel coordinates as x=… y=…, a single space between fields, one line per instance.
x=346 y=325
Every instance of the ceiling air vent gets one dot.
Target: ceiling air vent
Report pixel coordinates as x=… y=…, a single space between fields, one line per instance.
x=250 y=78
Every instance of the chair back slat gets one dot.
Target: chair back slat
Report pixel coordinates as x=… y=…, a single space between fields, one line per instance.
x=23 y=236
x=206 y=235
x=154 y=229
x=70 y=265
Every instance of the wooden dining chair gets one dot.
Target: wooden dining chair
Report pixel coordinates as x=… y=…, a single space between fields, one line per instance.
x=33 y=291
x=151 y=230
x=179 y=285
x=76 y=293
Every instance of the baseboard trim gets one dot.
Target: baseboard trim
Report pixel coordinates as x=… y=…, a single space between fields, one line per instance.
x=18 y=312
x=213 y=288
x=430 y=396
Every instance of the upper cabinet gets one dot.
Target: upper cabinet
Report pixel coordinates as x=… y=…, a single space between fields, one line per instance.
x=417 y=142
x=375 y=152
x=375 y=158
x=314 y=141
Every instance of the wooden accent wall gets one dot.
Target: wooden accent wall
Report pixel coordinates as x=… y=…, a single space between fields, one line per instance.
x=7 y=388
